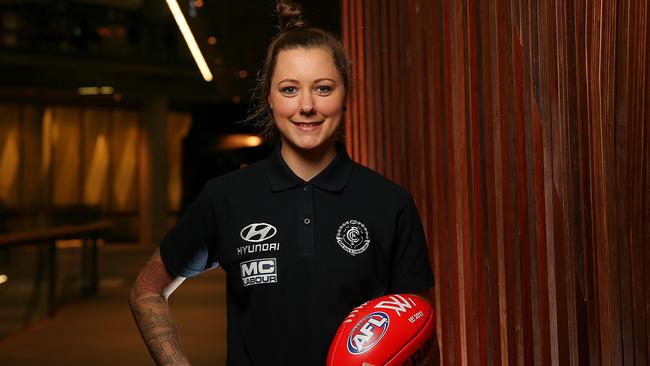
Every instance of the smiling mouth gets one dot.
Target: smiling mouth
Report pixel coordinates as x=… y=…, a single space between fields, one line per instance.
x=307 y=124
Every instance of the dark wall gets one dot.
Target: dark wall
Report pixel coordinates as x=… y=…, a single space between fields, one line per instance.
x=201 y=159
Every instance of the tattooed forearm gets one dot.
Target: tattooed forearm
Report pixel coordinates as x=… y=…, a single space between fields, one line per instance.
x=158 y=329
x=166 y=346
x=150 y=318
x=152 y=315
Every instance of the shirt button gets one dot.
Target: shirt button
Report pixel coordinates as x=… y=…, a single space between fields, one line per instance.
x=305 y=187
x=306 y=221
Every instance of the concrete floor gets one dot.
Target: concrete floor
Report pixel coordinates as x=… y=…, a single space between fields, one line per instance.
x=100 y=331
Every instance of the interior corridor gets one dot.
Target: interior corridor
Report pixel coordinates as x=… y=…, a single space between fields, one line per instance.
x=99 y=330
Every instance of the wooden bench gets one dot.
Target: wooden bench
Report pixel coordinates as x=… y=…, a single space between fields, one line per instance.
x=89 y=234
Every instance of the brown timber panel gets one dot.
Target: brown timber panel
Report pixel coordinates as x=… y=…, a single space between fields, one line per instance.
x=522 y=130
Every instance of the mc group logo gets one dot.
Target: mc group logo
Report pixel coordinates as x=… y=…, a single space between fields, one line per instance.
x=258 y=232
x=368 y=332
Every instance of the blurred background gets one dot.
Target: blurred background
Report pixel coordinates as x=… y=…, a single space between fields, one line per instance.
x=104 y=109
x=522 y=129
x=108 y=129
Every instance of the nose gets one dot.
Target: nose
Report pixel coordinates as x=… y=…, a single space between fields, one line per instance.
x=307 y=104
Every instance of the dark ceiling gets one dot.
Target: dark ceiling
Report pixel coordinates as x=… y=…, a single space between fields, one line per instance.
x=49 y=49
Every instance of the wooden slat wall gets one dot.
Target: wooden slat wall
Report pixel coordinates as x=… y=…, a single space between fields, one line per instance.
x=522 y=130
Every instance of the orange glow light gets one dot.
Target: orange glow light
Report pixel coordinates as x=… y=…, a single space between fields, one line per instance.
x=238 y=141
x=120 y=32
x=9 y=163
x=104 y=32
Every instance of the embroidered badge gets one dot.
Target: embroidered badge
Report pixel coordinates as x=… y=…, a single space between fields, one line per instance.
x=353 y=237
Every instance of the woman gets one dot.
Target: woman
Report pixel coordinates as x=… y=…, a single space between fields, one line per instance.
x=304 y=236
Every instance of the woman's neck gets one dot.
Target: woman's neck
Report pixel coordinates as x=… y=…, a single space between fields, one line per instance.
x=306 y=164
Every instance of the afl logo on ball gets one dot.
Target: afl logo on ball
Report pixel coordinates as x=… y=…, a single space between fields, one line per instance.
x=368 y=332
x=353 y=237
x=258 y=232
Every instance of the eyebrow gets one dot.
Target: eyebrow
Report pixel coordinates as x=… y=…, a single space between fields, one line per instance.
x=288 y=81
x=297 y=82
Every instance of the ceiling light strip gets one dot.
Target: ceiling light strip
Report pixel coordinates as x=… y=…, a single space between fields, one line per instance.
x=189 y=39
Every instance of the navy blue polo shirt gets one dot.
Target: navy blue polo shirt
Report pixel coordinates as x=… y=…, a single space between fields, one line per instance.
x=299 y=256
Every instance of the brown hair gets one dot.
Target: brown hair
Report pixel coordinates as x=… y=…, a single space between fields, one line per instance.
x=294 y=33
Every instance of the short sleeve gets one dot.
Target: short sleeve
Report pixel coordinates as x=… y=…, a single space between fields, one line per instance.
x=189 y=248
x=411 y=271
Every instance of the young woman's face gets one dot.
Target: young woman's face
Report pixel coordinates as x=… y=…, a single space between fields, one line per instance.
x=307 y=97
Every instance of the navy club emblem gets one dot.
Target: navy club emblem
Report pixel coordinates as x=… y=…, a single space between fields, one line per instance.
x=353 y=237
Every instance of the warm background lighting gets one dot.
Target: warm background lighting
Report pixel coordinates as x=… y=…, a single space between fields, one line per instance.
x=104 y=32
x=126 y=165
x=88 y=90
x=253 y=141
x=3 y=279
x=212 y=40
x=97 y=172
x=238 y=141
x=106 y=90
x=9 y=163
x=96 y=90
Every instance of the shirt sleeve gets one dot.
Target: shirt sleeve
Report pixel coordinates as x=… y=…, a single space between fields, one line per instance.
x=411 y=271
x=189 y=248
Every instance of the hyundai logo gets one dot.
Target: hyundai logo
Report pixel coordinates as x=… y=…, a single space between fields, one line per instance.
x=258 y=232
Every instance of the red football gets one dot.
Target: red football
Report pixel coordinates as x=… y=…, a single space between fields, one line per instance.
x=393 y=330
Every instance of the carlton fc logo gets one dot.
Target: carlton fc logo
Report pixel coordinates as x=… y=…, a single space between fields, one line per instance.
x=353 y=237
x=258 y=232
x=368 y=332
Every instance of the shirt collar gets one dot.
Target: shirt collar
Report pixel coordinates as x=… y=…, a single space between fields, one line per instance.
x=333 y=178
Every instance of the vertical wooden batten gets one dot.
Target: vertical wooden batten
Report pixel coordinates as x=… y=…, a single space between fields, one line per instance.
x=521 y=128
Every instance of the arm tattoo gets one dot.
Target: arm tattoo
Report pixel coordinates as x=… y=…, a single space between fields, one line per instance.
x=153 y=317
x=154 y=276
x=166 y=347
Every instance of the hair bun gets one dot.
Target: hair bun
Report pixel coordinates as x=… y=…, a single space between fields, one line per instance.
x=290 y=15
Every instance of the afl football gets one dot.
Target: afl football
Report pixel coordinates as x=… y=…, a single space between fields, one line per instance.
x=392 y=330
